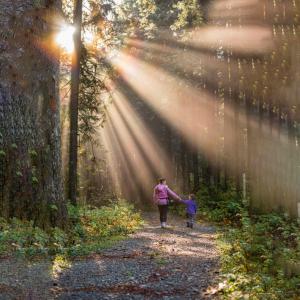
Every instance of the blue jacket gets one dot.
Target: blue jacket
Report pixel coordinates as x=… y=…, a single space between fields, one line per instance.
x=191 y=207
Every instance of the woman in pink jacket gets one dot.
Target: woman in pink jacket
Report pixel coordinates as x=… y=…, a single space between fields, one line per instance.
x=161 y=196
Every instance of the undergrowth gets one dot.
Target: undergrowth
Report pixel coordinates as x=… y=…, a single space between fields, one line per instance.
x=260 y=258
x=260 y=254
x=92 y=230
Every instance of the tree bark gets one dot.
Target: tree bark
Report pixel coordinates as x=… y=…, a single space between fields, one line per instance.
x=30 y=176
x=75 y=83
x=196 y=171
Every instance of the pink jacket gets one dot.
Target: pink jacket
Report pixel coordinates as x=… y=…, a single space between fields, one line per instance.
x=162 y=193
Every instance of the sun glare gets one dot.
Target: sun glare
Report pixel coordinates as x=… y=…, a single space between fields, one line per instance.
x=88 y=36
x=64 y=38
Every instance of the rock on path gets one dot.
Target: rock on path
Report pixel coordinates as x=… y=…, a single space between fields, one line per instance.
x=154 y=263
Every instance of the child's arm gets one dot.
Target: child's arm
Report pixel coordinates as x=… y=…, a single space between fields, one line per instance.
x=183 y=201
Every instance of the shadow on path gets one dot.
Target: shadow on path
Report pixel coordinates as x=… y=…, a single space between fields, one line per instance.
x=175 y=263
x=153 y=263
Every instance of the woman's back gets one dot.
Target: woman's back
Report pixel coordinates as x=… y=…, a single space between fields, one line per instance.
x=161 y=191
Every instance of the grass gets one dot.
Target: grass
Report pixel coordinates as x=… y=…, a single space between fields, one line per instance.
x=161 y=261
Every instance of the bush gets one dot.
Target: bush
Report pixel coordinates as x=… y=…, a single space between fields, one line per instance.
x=257 y=259
x=92 y=229
x=260 y=255
x=216 y=205
x=108 y=221
x=220 y=206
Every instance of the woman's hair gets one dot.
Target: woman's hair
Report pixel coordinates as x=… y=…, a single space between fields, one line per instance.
x=161 y=180
x=192 y=196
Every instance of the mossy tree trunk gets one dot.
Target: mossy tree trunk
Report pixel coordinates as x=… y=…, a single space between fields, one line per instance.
x=30 y=160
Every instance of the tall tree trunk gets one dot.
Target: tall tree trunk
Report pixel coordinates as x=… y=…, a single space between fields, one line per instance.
x=183 y=163
x=75 y=82
x=30 y=176
x=196 y=171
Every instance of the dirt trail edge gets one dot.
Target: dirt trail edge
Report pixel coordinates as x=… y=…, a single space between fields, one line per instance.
x=154 y=263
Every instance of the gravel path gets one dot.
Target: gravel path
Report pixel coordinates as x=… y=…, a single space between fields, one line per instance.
x=154 y=263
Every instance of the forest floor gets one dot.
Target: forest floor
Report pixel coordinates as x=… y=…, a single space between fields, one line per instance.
x=153 y=263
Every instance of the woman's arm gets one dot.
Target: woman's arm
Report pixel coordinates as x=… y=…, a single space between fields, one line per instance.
x=154 y=196
x=173 y=194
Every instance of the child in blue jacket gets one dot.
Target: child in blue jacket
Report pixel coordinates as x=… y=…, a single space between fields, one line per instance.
x=191 y=209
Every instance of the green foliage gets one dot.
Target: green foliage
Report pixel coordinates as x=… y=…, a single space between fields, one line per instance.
x=93 y=229
x=34 y=180
x=32 y=153
x=132 y=14
x=38 y=4
x=117 y=219
x=19 y=174
x=260 y=254
x=94 y=95
x=147 y=9
x=260 y=259
x=220 y=206
x=53 y=207
x=189 y=14
x=216 y=205
x=2 y=153
x=22 y=237
x=14 y=146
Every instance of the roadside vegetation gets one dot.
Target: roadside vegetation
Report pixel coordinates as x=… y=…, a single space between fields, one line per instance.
x=92 y=229
x=260 y=253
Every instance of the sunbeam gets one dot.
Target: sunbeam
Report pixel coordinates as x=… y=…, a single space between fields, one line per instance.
x=149 y=147
x=171 y=97
x=118 y=119
x=179 y=103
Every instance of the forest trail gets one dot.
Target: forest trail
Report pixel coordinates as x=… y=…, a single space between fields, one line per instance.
x=153 y=263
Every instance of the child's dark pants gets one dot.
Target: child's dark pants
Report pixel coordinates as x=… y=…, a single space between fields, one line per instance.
x=190 y=220
x=163 y=211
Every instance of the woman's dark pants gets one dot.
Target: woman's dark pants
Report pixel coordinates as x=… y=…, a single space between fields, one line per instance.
x=163 y=211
